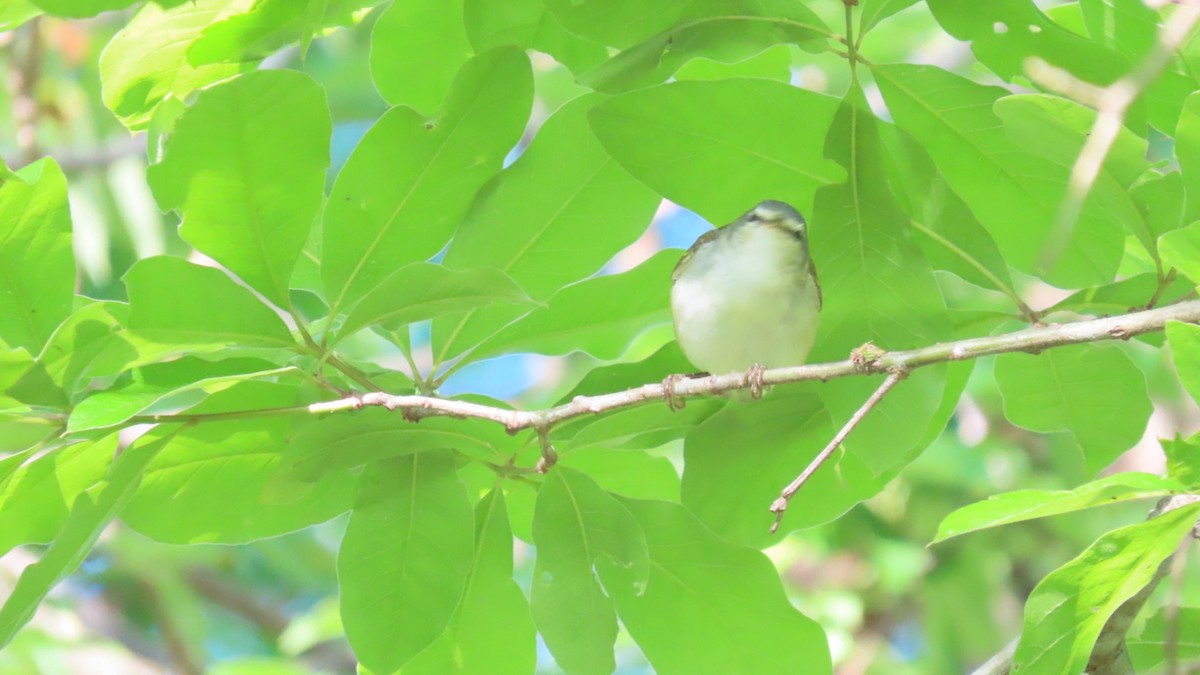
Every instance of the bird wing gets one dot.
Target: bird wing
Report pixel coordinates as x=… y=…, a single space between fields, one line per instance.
x=691 y=252
x=812 y=271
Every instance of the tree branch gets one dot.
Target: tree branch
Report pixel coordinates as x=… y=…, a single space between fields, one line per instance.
x=780 y=505
x=1032 y=340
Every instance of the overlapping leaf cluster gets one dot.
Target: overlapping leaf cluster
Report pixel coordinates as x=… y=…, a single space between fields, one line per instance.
x=428 y=220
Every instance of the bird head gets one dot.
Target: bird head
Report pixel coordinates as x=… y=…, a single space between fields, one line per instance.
x=777 y=214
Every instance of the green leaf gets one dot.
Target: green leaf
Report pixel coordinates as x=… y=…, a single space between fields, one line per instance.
x=1057 y=391
x=145 y=64
x=36 y=496
x=1014 y=193
x=948 y=233
x=165 y=382
x=737 y=462
x=626 y=473
x=90 y=514
x=269 y=25
x=620 y=23
x=1004 y=33
x=878 y=287
x=421 y=291
x=89 y=343
x=411 y=179
x=1128 y=26
x=1183 y=460
x=81 y=9
x=1161 y=200
x=556 y=216
x=405 y=558
x=1181 y=249
x=1056 y=129
x=1121 y=296
x=1069 y=607
x=1187 y=151
x=245 y=166
x=175 y=302
x=16 y=12
x=872 y=12
x=700 y=145
x=1149 y=648
x=710 y=606
x=416 y=49
x=601 y=316
x=577 y=524
x=722 y=31
x=528 y=24
x=1022 y=505
x=1184 y=339
x=644 y=427
x=37 y=267
x=210 y=481
x=491 y=632
x=344 y=442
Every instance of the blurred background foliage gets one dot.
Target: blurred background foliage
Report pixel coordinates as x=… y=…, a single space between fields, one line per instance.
x=889 y=603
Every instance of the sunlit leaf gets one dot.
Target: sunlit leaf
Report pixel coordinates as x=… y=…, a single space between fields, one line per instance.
x=412 y=178
x=1022 y=505
x=721 y=147
x=245 y=166
x=35 y=254
x=1069 y=607
x=416 y=49
x=405 y=558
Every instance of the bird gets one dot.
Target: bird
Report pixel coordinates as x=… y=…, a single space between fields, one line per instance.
x=746 y=296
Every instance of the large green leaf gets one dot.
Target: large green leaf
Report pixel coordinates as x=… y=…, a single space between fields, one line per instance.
x=1069 y=607
x=1004 y=33
x=175 y=302
x=491 y=632
x=600 y=316
x=245 y=166
x=942 y=225
x=873 y=12
x=90 y=514
x=628 y=473
x=1058 y=390
x=16 y=12
x=421 y=291
x=145 y=64
x=269 y=25
x=89 y=343
x=165 y=382
x=411 y=179
x=209 y=483
x=1187 y=151
x=621 y=23
x=720 y=147
x=1014 y=193
x=576 y=524
x=878 y=287
x=416 y=49
x=710 y=606
x=37 y=267
x=1174 y=631
x=556 y=216
x=35 y=497
x=405 y=558
x=1185 y=354
x=736 y=463
x=1181 y=249
x=80 y=9
x=723 y=31
x=531 y=25
x=1022 y=505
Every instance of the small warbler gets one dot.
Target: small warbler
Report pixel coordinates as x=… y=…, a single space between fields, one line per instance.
x=746 y=296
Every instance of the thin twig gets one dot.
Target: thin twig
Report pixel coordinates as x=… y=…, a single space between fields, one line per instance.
x=1112 y=103
x=780 y=505
x=1034 y=340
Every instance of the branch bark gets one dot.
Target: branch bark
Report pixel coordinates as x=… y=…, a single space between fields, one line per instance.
x=1032 y=340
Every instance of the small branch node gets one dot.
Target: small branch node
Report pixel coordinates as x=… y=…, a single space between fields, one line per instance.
x=1120 y=332
x=549 y=454
x=753 y=379
x=674 y=401
x=866 y=356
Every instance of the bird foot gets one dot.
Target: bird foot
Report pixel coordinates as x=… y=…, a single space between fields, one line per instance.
x=674 y=402
x=754 y=380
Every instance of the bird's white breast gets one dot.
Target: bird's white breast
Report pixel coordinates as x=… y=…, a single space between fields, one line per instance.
x=746 y=299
